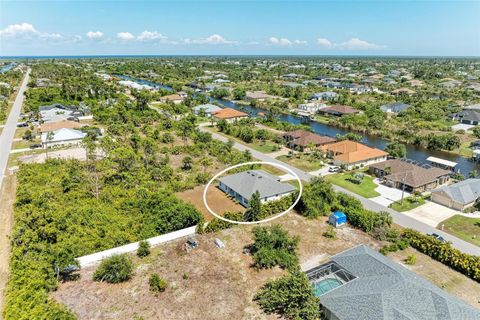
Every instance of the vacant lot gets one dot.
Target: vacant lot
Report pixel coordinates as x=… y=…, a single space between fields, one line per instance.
x=302 y=161
x=211 y=283
x=216 y=199
x=465 y=228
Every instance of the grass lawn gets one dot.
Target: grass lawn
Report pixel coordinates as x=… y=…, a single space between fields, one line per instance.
x=408 y=204
x=261 y=146
x=302 y=161
x=463 y=227
x=365 y=189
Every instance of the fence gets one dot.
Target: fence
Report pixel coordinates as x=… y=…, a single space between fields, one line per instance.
x=93 y=258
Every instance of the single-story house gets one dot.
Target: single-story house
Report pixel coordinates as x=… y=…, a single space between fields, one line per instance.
x=395 y=107
x=62 y=124
x=352 y=154
x=56 y=113
x=243 y=185
x=208 y=109
x=450 y=84
x=467 y=117
x=258 y=95
x=458 y=196
x=302 y=139
x=62 y=137
x=327 y=95
x=176 y=98
x=398 y=173
x=403 y=91
x=338 y=110
x=229 y=115
x=362 y=284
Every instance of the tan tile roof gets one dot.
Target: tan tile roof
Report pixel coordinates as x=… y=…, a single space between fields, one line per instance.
x=340 y=109
x=229 y=113
x=53 y=126
x=171 y=97
x=304 y=138
x=349 y=152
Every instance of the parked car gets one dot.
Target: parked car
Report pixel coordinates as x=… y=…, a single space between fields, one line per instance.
x=35 y=146
x=438 y=237
x=334 y=169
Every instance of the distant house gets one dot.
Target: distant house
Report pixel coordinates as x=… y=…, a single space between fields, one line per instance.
x=362 y=284
x=243 y=185
x=395 y=107
x=403 y=91
x=63 y=124
x=450 y=84
x=302 y=139
x=257 y=95
x=409 y=175
x=467 y=117
x=352 y=154
x=327 y=95
x=208 y=109
x=338 y=110
x=229 y=115
x=458 y=196
x=62 y=137
x=176 y=98
x=310 y=108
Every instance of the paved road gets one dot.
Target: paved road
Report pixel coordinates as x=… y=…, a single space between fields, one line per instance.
x=8 y=132
x=399 y=218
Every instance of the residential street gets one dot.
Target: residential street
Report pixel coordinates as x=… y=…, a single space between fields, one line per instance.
x=8 y=132
x=399 y=218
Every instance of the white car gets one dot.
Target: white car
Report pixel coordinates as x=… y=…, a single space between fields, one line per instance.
x=334 y=169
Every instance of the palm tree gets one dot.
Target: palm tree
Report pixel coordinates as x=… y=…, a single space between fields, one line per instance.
x=50 y=136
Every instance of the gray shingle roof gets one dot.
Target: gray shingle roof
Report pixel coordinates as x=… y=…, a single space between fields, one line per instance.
x=247 y=182
x=395 y=107
x=465 y=192
x=386 y=290
x=469 y=115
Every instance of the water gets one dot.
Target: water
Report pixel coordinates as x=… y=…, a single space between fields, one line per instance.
x=145 y=82
x=7 y=67
x=413 y=152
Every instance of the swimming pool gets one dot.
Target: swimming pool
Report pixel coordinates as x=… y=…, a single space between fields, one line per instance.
x=326 y=285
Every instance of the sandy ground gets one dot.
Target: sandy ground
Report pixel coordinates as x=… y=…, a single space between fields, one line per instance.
x=216 y=199
x=7 y=199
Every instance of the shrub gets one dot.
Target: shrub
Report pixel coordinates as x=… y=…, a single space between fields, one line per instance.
x=156 y=283
x=465 y=263
x=317 y=199
x=143 y=249
x=330 y=233
x=218 y=224
x=411 y=259
x=291 y=297
x=273 y=246
x=115 y=269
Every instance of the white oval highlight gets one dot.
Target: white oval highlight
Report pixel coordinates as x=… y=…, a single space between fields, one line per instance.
x=246 y=164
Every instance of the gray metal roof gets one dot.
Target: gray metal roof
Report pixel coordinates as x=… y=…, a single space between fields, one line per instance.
x=469 y=115
x=395 y=107
x=247 y=182
x=386 y=290
x=465 y=192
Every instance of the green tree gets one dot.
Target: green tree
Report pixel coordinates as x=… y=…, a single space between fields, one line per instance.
x=291 y=297
x=156 y=283
x=317 y=199
x=396 y=149
x=143 y=249
x=254 y=208
x=476 y=132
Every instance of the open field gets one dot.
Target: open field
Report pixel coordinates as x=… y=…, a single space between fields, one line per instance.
x=216 y=199
x=365 y=189
x=465 y=228
x=221 y=283
x=302 y=161
x=7 y=199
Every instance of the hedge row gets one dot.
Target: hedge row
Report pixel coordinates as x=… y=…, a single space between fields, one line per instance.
x=465 y=263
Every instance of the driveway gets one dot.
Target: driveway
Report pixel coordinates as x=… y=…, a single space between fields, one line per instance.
x=387 y=195
x=431 y=213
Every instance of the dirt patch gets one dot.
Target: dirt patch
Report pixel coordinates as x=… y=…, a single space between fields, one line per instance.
x=216 y=199
x=7 y=199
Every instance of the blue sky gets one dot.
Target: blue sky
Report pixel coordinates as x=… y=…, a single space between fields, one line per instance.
x=340 y=27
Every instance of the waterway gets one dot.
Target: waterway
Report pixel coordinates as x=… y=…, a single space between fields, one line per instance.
x=7 y=67
x=417 y=153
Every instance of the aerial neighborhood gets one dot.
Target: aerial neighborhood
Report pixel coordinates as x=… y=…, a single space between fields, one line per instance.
x=230 y=187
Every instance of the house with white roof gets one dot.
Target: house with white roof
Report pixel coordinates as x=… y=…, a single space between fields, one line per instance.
x=208 y=109
x=62 y=137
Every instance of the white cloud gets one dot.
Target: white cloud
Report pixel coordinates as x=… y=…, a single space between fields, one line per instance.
x=286 y=42
x=151 y=35
x=357 y=44
x=324 y=42
x=26 y=30
x=125 y=36
x=94 y=34
x=213 y=39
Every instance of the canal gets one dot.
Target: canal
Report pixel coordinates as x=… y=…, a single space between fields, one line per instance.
x=413 y=152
